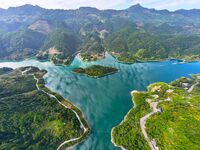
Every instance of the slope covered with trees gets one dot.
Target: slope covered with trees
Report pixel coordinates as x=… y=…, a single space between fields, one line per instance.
x=31 y=119
x=59 y=46
x=21 y=44
x=132 y=34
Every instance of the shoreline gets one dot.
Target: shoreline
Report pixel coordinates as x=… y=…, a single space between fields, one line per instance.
x=153 y=60
x=68 y=105
x=77 y=55
x=80 y=117
x=125 y=117
x=103 y=55
x=142 y=120
x=112 y=141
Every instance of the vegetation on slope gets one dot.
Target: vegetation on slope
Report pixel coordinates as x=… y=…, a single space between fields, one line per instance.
x=64 y=45
x=29 y=118
x=21 y=44
x=130 y=35
x=96 y=71
x=130 y=45
x=92 y=47
x=175 y=127
x=128 y=133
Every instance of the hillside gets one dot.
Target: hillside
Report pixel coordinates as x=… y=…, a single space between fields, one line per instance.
x=30 y=118
x=21 y=44
x=130 y=45
x=166 y=116
x=132 y=34
x=59 y=46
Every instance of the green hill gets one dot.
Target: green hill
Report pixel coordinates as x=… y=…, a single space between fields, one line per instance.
x=60 y=46
x=174 y=123
x=131 y=44
x=21 y=44
x=29 y=118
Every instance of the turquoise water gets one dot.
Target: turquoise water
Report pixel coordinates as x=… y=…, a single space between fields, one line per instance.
x=105 y=101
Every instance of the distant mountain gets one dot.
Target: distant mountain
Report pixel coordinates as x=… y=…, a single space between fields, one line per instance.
x=131 y=33
x=24 y=10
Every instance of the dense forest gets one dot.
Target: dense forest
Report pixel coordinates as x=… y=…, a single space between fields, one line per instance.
x=133 y=34
x=29 y=118
x=96 y=71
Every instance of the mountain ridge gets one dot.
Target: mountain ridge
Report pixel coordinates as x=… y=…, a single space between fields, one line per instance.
x=98 y=31
x=90 y=7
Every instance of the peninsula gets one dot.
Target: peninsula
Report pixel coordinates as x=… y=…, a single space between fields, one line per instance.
x=34 y=117
x=165 y=117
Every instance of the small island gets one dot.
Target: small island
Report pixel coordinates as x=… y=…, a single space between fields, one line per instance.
x=166 y=116
x=96 y=71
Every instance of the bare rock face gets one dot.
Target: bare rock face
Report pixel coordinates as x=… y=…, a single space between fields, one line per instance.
x=41 y=26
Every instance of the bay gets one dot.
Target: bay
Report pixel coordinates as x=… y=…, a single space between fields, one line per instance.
x=105 y=101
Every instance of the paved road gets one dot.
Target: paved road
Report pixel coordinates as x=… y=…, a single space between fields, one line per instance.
x=152 y=143
x=192 y=87
x=53 y=96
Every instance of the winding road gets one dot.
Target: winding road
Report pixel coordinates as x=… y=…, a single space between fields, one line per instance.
x=152 y=143
x=53 y=96
x=192 y=87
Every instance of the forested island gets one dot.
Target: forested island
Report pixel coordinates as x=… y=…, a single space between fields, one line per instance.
x=96 y=71
x=166 y=117
x=33 y=117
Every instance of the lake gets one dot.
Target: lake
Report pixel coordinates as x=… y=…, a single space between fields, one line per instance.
x=105 y=101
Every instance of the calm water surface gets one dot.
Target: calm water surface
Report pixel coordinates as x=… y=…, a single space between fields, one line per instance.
x=105 y=101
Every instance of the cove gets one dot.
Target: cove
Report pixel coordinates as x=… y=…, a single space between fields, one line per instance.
x=105 y=101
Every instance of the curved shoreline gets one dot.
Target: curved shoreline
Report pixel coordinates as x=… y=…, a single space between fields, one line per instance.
x=74 y=109
x=106 y=53
x=125 y=117
x=142 y=121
